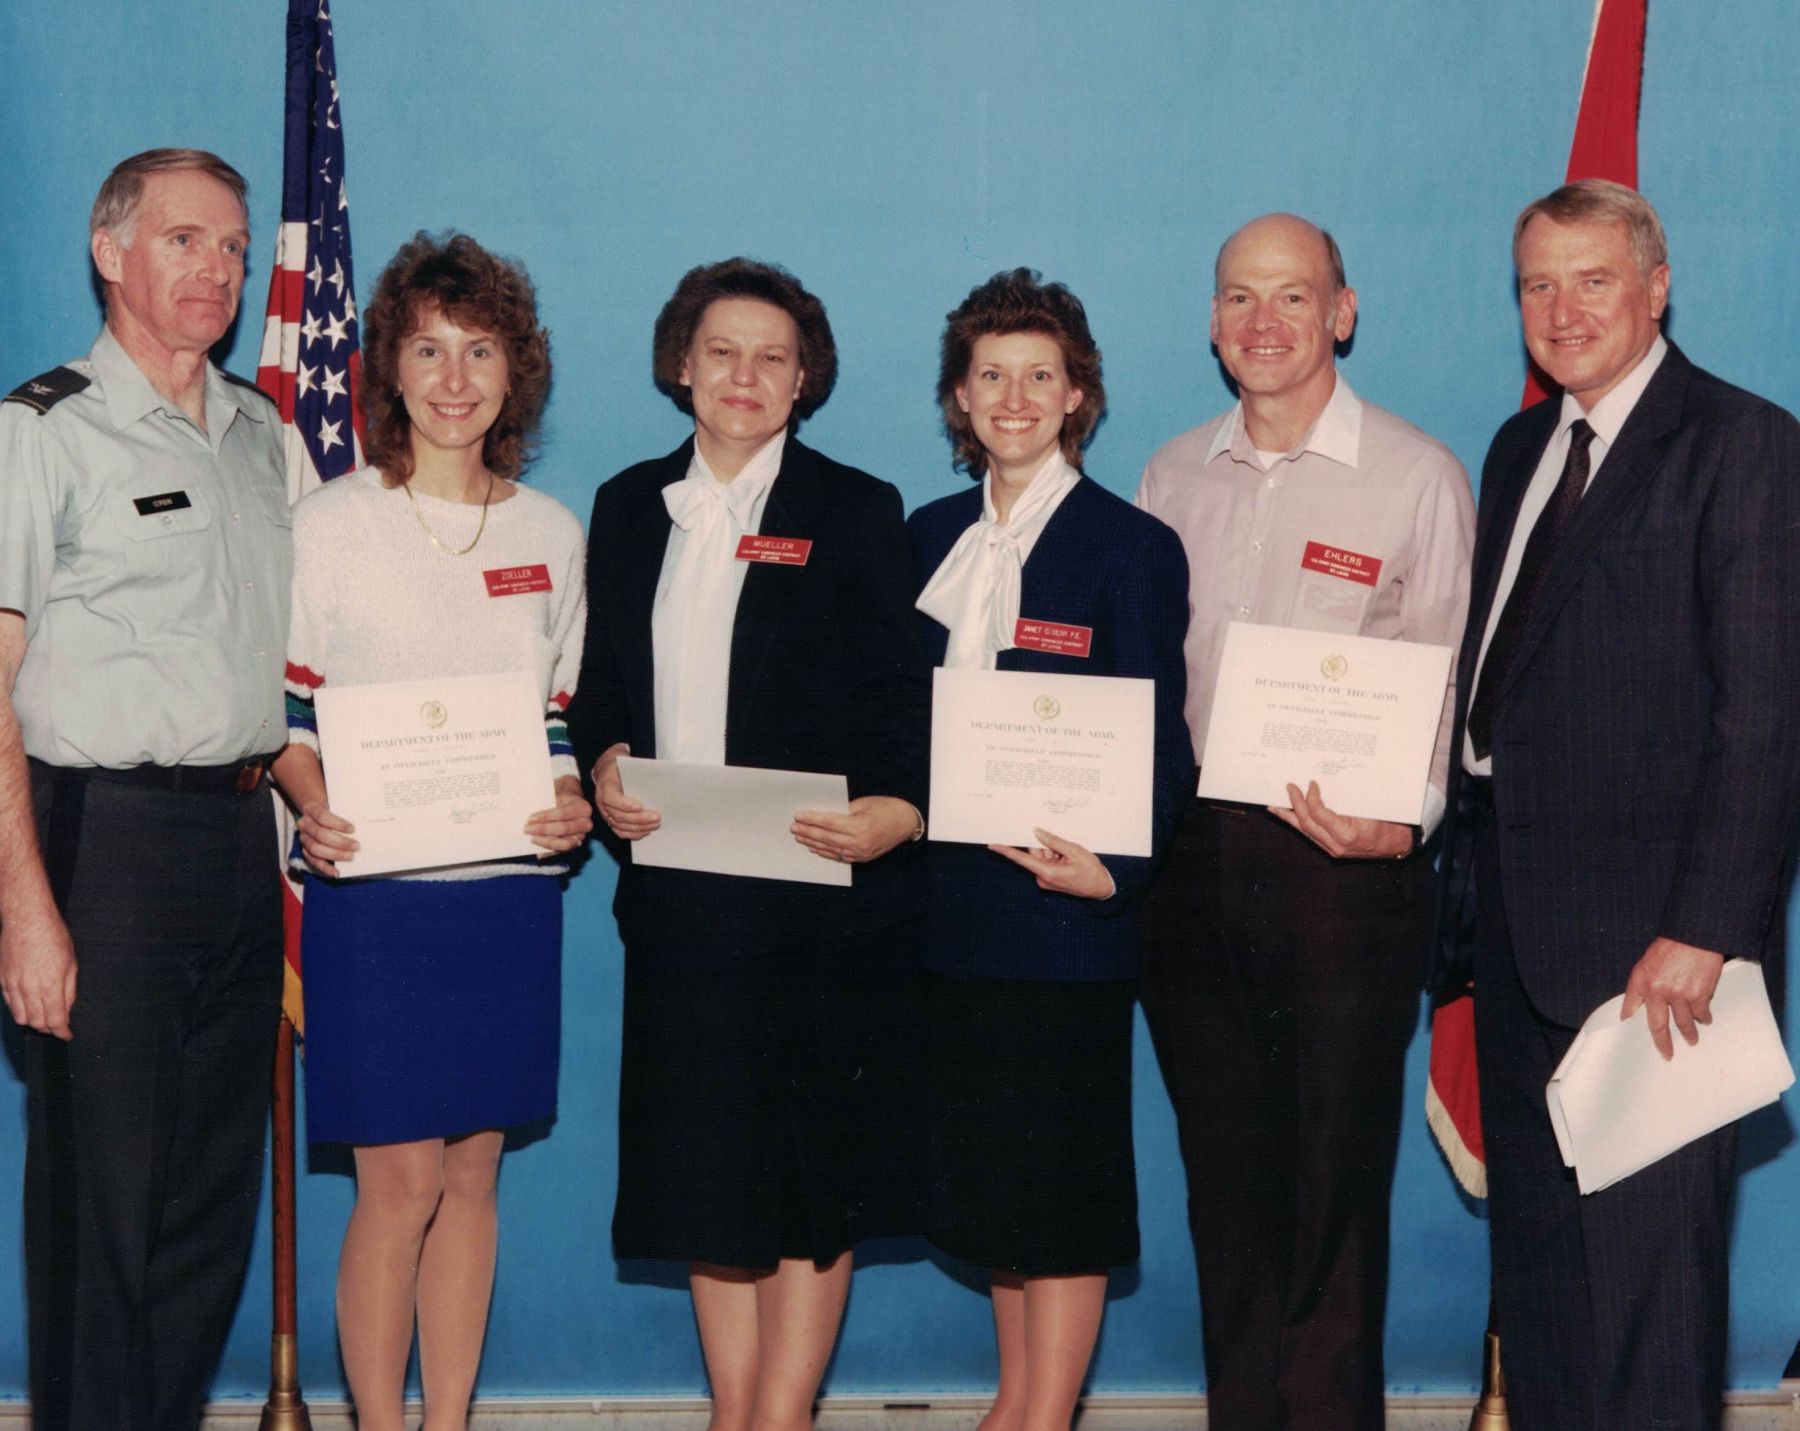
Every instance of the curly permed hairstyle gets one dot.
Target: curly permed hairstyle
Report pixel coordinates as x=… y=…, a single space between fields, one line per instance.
x=1020 y=302
x=744 y=278
x=475 y=289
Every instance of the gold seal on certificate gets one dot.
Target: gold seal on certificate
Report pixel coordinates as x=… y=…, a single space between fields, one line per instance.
x=1357 y=714
x=437 y=772
x=1014 y=752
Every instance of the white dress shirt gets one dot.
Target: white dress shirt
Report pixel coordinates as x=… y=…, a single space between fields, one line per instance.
x=974 y=593
x=1269 y=542
x=1607 y=418
x=696 y=601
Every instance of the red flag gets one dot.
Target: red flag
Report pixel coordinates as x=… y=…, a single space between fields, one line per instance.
x=311 y=361
x=1605 y=147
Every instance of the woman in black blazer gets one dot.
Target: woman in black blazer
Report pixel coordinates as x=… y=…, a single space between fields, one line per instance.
x=749 y=603
x=1030 y=968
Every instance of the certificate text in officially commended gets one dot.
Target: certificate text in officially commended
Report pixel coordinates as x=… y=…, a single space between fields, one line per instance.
x=435 y=772
x=1013 y=752
x=1357 y=714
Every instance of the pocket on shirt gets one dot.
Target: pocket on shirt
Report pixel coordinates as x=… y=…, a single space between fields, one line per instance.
x=1329 y=603
x=274 y=505
x=158 y=513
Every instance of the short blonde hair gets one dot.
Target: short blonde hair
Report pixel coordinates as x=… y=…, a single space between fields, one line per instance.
x=1601 y=201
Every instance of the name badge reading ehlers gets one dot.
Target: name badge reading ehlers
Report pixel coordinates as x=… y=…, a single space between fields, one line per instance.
x=1054 y=637
x=160 y=503
x=1345 y=565
x=516 y=580
x=783 y=551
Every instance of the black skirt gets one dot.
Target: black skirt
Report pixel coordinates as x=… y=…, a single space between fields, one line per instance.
x=1032 y=1167
x=775 y=1109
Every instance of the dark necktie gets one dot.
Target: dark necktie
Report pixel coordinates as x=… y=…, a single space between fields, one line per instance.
x=1534 y=566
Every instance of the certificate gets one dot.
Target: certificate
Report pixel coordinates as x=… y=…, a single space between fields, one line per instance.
x=733 y=819
x=1013 y=752
x=435 y=772
x=1357 y=714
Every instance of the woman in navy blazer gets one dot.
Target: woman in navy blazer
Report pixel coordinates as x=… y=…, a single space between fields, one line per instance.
x=1031 y=952
x=750 y=604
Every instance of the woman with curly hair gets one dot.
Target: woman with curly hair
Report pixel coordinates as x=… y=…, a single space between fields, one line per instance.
x=432 y=998
x=1030 y=953
x=751 y=606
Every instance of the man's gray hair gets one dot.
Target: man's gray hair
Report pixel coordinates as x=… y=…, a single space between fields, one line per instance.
x=115 y=207
x=1601 y=201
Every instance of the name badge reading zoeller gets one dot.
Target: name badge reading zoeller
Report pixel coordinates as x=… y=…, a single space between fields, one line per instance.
x=1054 y=637
x=160 y=503
x=516 y=580
x=783 y=551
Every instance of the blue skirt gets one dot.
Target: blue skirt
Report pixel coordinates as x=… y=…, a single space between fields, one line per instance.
x=433 y=1007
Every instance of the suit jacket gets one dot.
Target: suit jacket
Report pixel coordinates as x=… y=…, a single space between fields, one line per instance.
x=826 y=675
x=1647 y=739
x=1103 y=564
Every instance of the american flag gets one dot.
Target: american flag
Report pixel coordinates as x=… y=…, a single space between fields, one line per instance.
x=311 y=361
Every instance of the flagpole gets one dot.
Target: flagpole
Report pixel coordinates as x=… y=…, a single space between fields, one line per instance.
x=285 y=1410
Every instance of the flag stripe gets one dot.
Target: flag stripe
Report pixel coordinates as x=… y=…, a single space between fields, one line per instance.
x=310 y=362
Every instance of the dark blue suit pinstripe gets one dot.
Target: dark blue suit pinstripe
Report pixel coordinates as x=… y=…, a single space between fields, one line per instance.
x=1646 y=775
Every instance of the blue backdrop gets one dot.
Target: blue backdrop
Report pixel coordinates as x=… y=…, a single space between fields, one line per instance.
x=893 y=156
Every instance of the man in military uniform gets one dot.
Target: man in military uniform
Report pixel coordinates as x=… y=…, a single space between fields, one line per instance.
x=144 y=565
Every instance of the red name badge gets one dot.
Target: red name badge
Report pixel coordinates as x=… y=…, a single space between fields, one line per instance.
x=516 y=580
x=1054 y=637
x=1346 y=566
x=783 y=551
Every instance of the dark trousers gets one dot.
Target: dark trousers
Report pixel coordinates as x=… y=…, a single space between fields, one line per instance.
x=1282 y=988
x=144 y=1150
x=1611 y=1307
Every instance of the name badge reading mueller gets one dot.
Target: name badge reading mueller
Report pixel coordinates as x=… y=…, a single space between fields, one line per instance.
x=516 y=580
x=1345 y=565
x=160 y=503
x=783 y=551
x=1054 y=637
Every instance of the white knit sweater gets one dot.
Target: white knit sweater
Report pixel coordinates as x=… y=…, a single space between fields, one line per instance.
x=375 y=601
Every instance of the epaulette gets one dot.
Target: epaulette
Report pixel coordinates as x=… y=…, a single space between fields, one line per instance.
x=48 y=389
x=238 y=382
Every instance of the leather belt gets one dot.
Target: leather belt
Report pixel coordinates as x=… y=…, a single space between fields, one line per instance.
x=241 y=778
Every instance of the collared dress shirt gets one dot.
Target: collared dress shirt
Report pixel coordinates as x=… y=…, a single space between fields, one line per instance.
x=1607 y=418
x=1366 y=527
x=151 y=561
x=696 y=600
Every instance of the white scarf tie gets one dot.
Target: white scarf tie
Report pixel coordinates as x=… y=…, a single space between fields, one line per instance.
x=975 y=590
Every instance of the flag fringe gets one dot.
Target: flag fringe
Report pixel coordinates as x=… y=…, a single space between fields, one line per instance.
x=1468 y=1170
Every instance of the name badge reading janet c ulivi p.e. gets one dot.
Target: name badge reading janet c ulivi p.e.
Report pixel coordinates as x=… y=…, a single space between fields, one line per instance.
x=1054 y=637
x=782 y=551
x=516 y=580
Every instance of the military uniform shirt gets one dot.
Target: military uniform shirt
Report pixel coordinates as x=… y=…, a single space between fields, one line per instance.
x=152 y=563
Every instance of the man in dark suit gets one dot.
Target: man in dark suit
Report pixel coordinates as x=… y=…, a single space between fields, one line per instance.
x=1628 y=764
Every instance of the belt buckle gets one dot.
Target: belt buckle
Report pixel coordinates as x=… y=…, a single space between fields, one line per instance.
x=249 y=777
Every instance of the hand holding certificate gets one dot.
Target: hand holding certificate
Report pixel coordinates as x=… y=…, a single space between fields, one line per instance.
x=1356 y=714
x=435 y=772
x=732 y=819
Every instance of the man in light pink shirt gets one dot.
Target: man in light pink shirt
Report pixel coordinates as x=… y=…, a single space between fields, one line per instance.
x=1284 y=949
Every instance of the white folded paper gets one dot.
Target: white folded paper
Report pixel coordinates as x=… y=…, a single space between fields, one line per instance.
x=1618 y=1107
x=733 y=819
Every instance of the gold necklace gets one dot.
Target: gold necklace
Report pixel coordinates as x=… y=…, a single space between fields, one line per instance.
x=406 y=487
